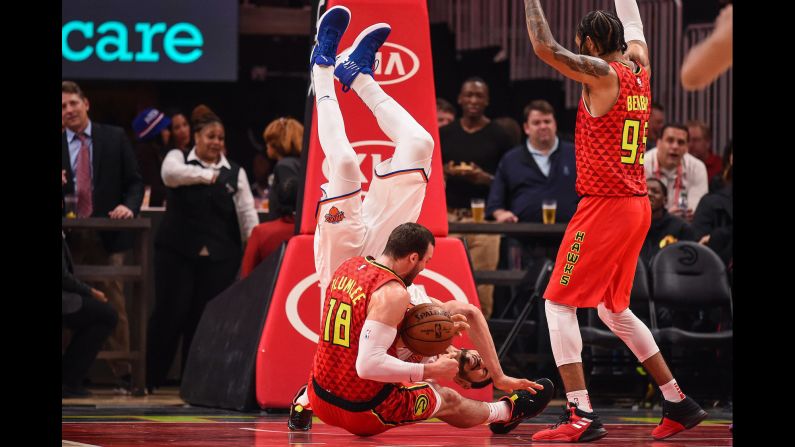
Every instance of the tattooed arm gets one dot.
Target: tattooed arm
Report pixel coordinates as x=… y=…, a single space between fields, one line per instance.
x=586 y=69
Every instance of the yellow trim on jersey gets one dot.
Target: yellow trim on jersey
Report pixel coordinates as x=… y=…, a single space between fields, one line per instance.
x=372 y=262
x=414 y=387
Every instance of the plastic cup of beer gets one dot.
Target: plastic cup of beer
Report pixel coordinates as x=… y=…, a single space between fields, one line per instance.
x=548 y=208
x=70 y=206
x=478 y=209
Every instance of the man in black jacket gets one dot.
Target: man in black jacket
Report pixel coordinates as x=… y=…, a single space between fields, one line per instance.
x=85 y=310
x=665 y=228
x=102 y=172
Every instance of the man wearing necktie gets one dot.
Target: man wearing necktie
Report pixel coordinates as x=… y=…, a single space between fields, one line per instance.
x=102 y=172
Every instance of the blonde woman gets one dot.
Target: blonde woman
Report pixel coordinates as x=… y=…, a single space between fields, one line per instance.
x=283 y=140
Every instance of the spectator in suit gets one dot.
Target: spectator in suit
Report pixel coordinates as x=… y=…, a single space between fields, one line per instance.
x=86 y=312
x=542 y=168
x=101 y=170
x=199 y=244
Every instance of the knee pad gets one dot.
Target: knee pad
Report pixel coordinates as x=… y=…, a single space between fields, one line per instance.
x=631 y=331
x=564 y=333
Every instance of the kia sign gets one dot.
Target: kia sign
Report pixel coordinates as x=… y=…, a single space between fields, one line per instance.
x=370 y=153
x=395 y=63
x=149 y=40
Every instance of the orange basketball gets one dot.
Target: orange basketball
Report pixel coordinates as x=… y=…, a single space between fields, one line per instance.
x=427 y=329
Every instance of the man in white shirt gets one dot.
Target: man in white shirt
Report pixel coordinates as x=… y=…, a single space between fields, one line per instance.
x=684 y=175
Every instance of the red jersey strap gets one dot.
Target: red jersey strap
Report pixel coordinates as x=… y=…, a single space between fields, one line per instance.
x=394 y=277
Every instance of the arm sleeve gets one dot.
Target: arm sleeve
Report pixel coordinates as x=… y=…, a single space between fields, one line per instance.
x=373 y=363
x=629 y=14
x=176 y=172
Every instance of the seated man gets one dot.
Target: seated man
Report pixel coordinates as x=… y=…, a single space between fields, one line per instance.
x=665 y=228
x=542 y=168
x=362 y=392
x=684 y=175
x=85 y=310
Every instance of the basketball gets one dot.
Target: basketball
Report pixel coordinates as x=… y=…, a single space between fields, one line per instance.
x=427 y=329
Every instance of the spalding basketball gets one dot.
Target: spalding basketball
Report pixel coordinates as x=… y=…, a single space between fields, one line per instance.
x=427 y=329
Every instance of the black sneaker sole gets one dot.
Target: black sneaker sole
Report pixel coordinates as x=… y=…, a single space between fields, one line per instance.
x=696 y=420
x=593 y=435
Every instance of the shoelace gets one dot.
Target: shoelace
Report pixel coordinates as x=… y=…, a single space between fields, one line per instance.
x=564 y=419
x=328 y=41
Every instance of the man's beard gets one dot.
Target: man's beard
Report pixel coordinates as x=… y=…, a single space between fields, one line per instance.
x=408 y=278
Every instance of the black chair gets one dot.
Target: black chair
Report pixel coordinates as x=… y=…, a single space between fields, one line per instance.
x=687 y=276
x=690 y=282
x=514 y=326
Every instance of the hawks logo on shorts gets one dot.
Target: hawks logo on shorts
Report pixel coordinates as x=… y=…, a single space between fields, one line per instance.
x=334 y=215
x=421 y=405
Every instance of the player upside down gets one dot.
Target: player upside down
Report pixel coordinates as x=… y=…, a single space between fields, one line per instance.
x=358 y=380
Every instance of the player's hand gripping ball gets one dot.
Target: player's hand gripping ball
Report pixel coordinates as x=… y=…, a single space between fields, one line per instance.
x=427 y=329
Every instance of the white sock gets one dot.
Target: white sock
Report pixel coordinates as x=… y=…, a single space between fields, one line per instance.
x=369 y=91
x=413 y=144
x=581 y=399
x=671 y=392
x=499 y=411
x=303 y=399
x=323 y=81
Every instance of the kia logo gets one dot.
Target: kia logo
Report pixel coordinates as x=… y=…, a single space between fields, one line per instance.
x=370 y=155
x=300 y=289
x=396 y=63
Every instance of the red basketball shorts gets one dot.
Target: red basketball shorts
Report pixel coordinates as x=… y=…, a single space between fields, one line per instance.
x=599 y=254
x=406 y=404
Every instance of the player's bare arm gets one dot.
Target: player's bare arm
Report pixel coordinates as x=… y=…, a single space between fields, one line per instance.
x=711 y=57
x=586 y=69
x=481 y=337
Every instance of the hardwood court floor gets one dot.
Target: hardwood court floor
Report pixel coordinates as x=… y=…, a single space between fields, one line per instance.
x=164 y=420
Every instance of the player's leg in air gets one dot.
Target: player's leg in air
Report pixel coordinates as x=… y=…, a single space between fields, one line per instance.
x=340 y=229
x=398 y=187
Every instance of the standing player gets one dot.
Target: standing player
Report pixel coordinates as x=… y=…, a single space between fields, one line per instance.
x=596 y=262
x=357 y=383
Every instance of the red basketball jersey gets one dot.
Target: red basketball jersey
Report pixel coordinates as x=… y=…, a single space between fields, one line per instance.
x=344 y=313
x=610 y=148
